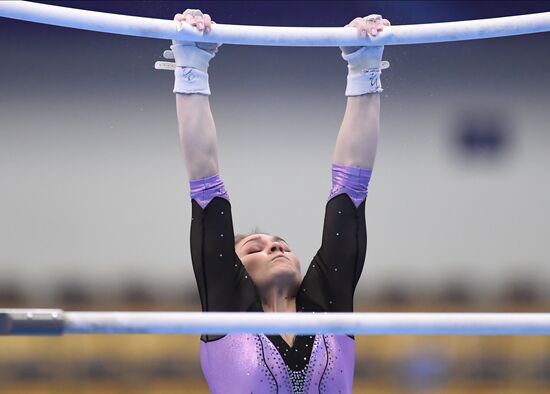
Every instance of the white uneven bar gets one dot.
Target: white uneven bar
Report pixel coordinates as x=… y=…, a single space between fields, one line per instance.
x=271 y=35
x=57 y=322
x=304 y=323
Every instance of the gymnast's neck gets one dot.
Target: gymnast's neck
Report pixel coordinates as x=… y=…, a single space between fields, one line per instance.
x=278 y=299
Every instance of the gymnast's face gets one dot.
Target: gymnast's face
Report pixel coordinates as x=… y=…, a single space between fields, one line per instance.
x=269 y=262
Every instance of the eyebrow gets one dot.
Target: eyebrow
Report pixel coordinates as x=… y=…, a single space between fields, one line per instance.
x=252 y=239
x=274 y=237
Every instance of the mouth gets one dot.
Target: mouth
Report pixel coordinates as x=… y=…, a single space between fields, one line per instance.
x=280 y=256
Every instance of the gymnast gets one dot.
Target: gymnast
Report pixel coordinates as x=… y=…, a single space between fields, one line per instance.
x=259 y=272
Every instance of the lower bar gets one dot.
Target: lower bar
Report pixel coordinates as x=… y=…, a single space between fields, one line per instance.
x=57 y=322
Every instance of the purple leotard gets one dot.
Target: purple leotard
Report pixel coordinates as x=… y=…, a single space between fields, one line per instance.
x=252 y=364
x=243 y=363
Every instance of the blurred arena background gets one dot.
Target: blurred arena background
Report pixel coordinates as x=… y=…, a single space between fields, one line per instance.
x=94 y=210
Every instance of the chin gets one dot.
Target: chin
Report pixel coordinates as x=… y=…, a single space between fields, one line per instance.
x=286 y=267
x=288 y=273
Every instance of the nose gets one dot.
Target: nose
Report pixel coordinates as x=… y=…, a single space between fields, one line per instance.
x=276 y=247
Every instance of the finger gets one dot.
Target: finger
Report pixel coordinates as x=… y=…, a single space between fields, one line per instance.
x=207 y=23
x=178 y=17
x=188 y=13
x=371 y=28
x=354 y=22
x=363 y=27
x=199 y=22
x=360 y=25
x=379 y=25
x=386 y=22
x=188 y=18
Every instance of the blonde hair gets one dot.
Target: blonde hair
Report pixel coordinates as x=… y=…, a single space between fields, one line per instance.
x=240 y=237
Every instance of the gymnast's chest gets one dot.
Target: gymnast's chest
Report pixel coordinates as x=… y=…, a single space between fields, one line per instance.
x=253 y=363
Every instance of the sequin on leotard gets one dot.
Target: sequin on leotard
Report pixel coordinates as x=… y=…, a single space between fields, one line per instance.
x=298 y=379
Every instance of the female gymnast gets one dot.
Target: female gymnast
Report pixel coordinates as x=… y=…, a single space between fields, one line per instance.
x=259 y=272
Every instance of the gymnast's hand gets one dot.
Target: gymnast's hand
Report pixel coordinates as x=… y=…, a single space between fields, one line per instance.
x=371 y=56
x=194 y=54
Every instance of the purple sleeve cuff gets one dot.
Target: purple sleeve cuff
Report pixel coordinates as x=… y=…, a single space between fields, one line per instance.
x=352 y=181
x=205 y=190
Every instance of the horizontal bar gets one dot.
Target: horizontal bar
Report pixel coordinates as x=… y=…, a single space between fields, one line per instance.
x=47 y=322
x=272 y=35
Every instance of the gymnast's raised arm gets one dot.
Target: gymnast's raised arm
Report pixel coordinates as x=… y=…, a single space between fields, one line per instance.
x=222 y=281
x=335 y=270
x=196 y=125
x=358 y=137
